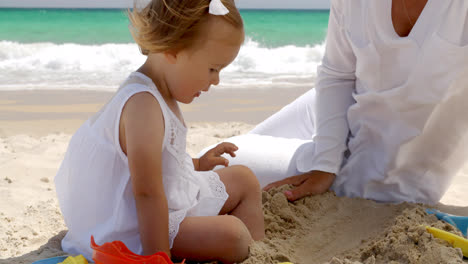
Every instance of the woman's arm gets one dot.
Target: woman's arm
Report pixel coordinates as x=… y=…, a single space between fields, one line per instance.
x=142 y=126
x=334 y=87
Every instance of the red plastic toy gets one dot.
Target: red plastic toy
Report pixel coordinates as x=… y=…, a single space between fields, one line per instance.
x=117 y=253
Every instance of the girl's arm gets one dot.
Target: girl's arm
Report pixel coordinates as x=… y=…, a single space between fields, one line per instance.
x=142 y=134
x=196 y=164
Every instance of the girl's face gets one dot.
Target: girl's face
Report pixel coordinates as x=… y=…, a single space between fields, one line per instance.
x=195 y=70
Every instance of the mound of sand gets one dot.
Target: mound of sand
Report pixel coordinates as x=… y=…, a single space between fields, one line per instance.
x=343 y=230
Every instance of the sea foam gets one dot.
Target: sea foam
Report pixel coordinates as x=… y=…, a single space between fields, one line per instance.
x=103 y=67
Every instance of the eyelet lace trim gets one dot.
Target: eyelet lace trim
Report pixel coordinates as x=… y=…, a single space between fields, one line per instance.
x=174 y=222
x=217 y=187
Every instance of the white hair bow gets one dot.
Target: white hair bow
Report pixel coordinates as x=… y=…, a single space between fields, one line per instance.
x=217 y=8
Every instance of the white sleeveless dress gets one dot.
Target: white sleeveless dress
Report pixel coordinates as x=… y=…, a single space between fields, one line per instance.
x=94 y=187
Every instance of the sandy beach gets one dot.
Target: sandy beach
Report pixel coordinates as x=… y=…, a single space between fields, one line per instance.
x=35 y=128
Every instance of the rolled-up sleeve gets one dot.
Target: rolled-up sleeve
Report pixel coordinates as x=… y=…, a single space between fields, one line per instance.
x=334 y=88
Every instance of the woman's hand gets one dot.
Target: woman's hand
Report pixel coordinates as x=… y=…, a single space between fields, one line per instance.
x=310 y=183
x=212 y=157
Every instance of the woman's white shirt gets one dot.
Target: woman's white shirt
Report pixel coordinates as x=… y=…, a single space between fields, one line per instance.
x=390 y=113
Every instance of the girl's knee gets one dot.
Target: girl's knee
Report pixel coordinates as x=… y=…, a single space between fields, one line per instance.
x=237 y=239
x=250 y=180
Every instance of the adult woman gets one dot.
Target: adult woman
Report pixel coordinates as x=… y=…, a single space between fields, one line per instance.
x=387 y=119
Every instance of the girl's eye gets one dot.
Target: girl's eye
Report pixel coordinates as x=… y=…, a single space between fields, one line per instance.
x=213 y=70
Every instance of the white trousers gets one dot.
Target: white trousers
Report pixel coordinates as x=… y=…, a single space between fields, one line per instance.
x=269 y=150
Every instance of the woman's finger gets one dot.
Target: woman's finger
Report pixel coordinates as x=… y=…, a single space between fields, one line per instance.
x=299 y=192
x=300 y=179
x=294 y=180
x=317 y=184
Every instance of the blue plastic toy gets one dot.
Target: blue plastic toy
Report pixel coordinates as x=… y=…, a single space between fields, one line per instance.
x=460 y=222
x=54 y=260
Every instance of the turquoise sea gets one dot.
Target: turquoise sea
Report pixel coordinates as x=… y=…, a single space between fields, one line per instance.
x=73 y=48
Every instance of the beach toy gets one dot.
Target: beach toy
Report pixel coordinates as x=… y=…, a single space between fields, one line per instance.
x=460 y=222
x=54 y=260
x=117 y=253
x=454 y=240
x=75 y=260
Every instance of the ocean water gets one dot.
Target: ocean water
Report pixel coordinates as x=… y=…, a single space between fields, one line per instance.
x=92 y=49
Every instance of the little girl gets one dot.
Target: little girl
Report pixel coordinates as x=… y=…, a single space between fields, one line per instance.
x=126 y=175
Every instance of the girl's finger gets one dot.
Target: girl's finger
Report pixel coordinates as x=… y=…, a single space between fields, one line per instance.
x=219 y=161
x=231 y=153
x=227 y=146
x=232 y=146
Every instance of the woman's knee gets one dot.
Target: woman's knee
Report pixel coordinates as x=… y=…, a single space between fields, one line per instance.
x=236 y=239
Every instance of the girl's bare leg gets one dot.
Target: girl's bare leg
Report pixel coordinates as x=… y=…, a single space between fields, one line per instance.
x=245 y=198
x=207 y=238
x=225 y=238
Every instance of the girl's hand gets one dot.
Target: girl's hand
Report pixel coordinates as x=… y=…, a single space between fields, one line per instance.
x=212 y=157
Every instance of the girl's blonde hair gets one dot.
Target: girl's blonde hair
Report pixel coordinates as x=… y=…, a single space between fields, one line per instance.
x=172 y=25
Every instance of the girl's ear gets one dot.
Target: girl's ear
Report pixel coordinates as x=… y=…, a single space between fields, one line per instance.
x=171 y=56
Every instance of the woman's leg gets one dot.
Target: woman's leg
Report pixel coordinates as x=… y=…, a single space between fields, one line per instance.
x=270 y=158
x=295 y=120
x=271 y=148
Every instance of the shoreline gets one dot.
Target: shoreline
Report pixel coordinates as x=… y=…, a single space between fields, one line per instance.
x=50 y=111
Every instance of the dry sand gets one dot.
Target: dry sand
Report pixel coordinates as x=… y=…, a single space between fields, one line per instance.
x=31 y=225
x=330 y=229
x=318 y=229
